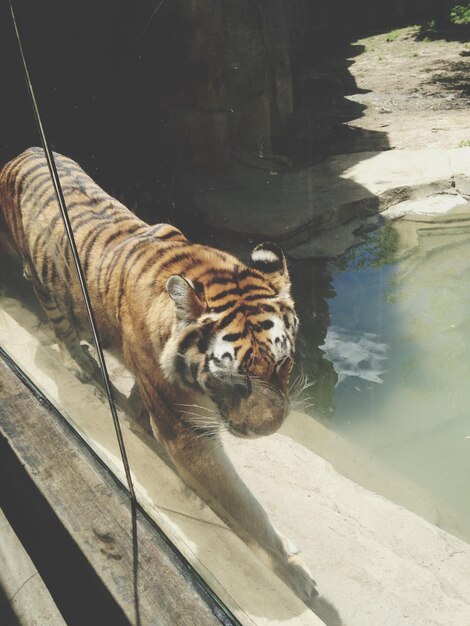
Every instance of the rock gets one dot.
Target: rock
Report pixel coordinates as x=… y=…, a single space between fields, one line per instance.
x=437 y=204
x=462 y=183
x=295 y=208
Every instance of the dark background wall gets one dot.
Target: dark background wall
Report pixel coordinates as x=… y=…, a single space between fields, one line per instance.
x=143 y=93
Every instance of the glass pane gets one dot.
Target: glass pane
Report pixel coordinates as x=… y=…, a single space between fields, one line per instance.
x=43 y=323
x=296 y=184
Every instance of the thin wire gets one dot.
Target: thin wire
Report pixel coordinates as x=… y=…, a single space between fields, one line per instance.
x=81 y=278
x=155 y=11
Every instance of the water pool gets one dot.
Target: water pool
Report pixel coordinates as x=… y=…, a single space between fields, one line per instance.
x=398 y=340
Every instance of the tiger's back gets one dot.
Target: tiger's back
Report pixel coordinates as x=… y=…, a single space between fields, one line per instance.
x=99 y=222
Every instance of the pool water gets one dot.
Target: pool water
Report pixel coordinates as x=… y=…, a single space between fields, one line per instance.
x=399 y=341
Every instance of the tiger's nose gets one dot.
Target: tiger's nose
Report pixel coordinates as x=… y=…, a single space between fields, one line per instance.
x=241 y=388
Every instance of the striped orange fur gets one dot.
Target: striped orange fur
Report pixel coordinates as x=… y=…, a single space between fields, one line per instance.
x=209 y=340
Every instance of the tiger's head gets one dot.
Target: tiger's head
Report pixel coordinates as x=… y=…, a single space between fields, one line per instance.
x=234 y=340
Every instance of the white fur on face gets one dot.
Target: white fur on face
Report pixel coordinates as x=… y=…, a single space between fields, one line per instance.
x=281 y=344
x=264 y=256
x=224 y=356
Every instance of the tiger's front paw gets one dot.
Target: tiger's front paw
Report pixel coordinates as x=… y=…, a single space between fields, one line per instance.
x=76 y=367
x=78 y=360
x=298 y=577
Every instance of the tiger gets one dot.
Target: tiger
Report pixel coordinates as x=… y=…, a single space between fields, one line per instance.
x=195 y=326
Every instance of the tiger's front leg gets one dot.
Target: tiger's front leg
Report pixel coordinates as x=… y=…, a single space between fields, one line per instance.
x=204 y=466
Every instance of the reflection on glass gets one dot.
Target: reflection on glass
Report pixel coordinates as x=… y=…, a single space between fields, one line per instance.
x=43 y=327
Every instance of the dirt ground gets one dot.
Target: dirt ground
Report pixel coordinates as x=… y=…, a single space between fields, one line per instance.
x=416 y=91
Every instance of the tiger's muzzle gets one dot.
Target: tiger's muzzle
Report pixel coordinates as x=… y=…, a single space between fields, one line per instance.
x=250 y=408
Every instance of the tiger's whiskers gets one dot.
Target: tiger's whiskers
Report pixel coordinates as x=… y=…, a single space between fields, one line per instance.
x=204 y=408
x=297 y=390
x=203 y=425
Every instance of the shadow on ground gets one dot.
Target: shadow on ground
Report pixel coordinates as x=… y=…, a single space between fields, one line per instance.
x=453 y=77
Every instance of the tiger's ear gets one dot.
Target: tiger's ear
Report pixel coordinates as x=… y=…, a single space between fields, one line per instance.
x=269 y=259
x=188 y=304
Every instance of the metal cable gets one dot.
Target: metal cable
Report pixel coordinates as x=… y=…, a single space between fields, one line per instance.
x=68 y=228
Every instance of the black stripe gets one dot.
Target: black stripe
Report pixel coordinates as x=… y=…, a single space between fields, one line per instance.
x=267 y=308
x=188 y=267
x=246 y=328
x=128 y=266
x=22 y=159
x=228 y=319
x=39 y=188
x=269 y=266
x=226 y=292
x=223 y=307
x=153 y=259
x=118 y=233
x=249 y=272
x=187 y=341
x=170 y=235
x=246 y=308
x=29 y=184
x=39 y=205
x=180 y=365
x=177 y=258
x=257 y=287
x=219 y=280
x=217 y=272
x=182 y=269
x=232 y=337
x=136 y=249
x=247 y=355
x=194 y=367
x=76 y=221
x=86 y=216
x=109 y=239
x=47 y=200
x=32 y=168
x=42 y=292
x=37 y=242
x=266 y=324
x=89 y=243
x=203 y=342
x=5 y=174
x=259 y=296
